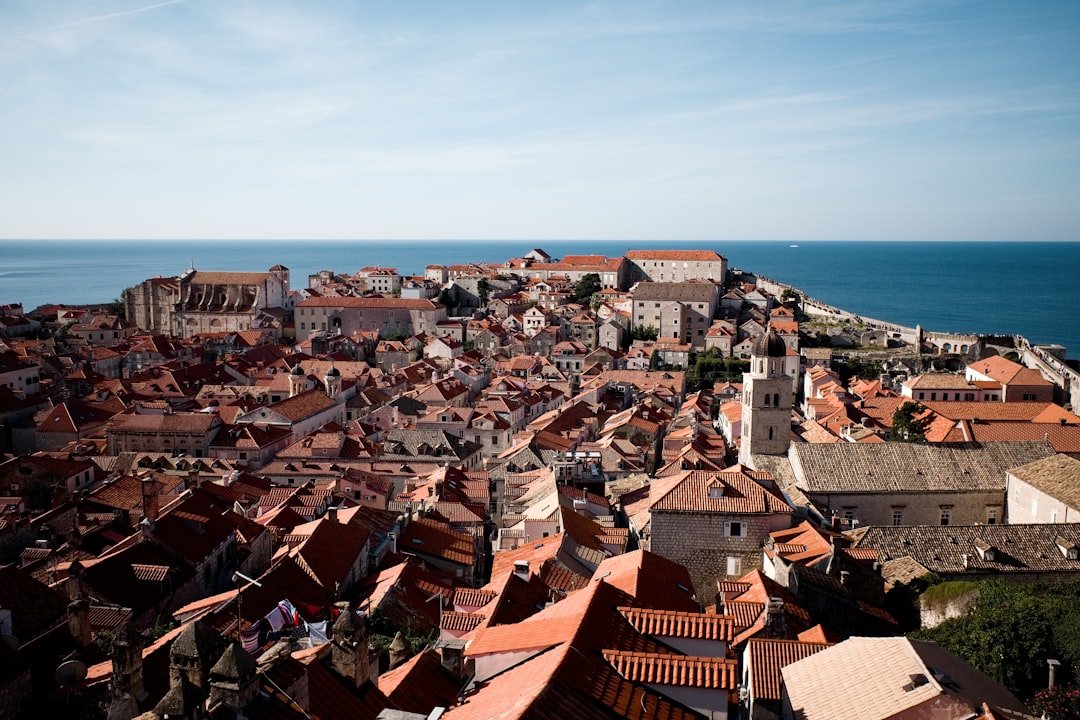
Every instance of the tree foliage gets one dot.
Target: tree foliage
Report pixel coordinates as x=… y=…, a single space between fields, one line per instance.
x=906 y=425
x=587 y=286
x=483 y=290
x=708 y=368
x=861 y=368
x=645 y=333
x=1013 y=630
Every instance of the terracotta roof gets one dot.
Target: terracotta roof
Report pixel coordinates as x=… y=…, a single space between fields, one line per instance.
x=735 y=490
x=767 y=657
x=155 y=573
x=1001 y=411
x=420 y=684
x=367 y=302
x=461 y=622
x=671 y=623
x=469 y=597
x=667 y=669
x=682 y=255
x=429 y=537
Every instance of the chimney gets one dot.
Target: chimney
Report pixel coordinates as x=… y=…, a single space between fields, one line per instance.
x=845 y=576
x=127 y=663
x=149 y=498
x=399 y=650
x=521 y=569
x=453 y=657
x=349 y=646
x=332 y=513
x=837 y=523
x=392 y=537
x=78 y=619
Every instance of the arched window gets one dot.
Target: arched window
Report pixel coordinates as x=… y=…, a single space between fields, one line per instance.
x=770 y=433
x=766 y=399
x=776 y=399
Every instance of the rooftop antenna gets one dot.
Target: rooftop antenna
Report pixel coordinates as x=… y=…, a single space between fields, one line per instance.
x=237 y=576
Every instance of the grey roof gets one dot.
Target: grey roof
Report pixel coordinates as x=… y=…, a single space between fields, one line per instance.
x=234 y=664
x=909 y=467
x=1017 y=548
x=684 y=291
x=1057 y=476
x=196 y=640
x=416 y=445
x=769 y=345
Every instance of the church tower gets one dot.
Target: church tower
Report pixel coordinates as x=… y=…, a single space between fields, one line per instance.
x=333 y=381
x=297 y=381
x=766 y=401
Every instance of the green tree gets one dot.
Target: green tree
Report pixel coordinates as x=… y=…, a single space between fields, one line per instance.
x=118 y=306
x=860 y=367
x=1012 y=631
x=446 y=298
x=587 y=286
x=643 y=332
x=906 y=427
x=483 y=290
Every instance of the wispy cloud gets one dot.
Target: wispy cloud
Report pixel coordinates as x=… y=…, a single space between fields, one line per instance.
x=110 y=16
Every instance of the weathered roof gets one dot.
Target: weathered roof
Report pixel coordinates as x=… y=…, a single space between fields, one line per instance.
x=909 y=467
x=941 y=548
x=837 y=683
x=1057 y=476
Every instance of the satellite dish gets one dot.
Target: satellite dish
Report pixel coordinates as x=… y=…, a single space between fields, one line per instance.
x=71 y=673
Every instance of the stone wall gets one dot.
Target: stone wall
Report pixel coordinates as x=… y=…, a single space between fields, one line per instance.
x=918 y=508
x=697 y=541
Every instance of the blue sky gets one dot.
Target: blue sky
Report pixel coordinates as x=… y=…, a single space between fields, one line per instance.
x=900 y=120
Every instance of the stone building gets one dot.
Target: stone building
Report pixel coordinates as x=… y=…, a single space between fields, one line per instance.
x=676 y=265
x=766 y=401
x=909 y=484
x=387 y=316
x=200 y=302
x=682 y=310
x=189 y=433
x=1045 y=491
x=715 y=523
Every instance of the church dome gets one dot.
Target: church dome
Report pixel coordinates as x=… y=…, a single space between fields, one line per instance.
x=333 y=372
x=769 y=345
x=298 y=371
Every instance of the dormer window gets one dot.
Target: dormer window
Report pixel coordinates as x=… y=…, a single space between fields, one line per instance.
x=1067 y=548
x=716 y=491
x=985 y=550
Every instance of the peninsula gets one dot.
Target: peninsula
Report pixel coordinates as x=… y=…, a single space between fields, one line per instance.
x=645 y=486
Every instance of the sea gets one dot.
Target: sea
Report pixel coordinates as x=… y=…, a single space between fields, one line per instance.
x=1026 y=288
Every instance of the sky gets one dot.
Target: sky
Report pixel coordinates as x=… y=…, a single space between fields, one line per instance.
x=230 y=119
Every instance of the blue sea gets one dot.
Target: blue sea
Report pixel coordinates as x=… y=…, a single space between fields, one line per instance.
x=1030 y=288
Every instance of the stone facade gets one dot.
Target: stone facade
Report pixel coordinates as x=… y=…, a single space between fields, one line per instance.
x=703 y=543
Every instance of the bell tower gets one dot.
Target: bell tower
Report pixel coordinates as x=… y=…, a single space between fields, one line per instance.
x=766 y=401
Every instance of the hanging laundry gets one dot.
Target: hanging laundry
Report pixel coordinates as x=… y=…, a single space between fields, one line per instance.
x=249 y=636
x=318 y=633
